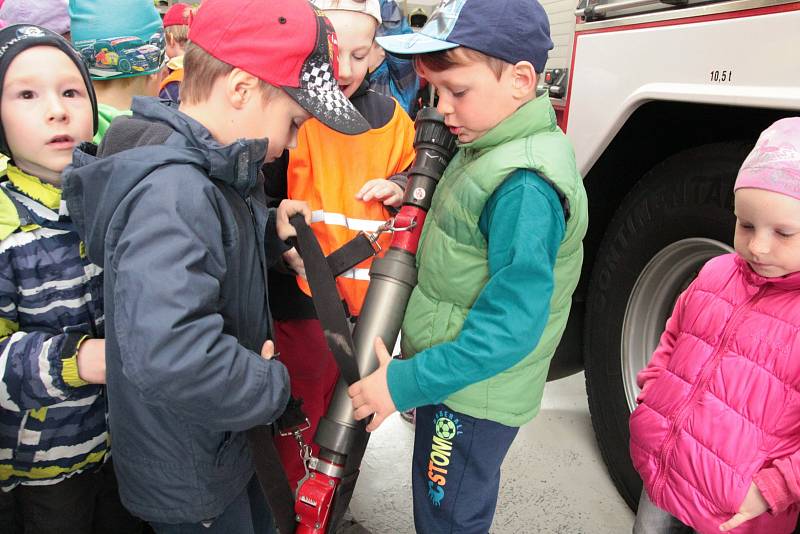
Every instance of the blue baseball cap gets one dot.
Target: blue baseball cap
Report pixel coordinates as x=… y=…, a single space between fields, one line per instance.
x=511 y=30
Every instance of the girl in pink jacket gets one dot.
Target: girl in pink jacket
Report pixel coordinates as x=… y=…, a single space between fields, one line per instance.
x=716 y=436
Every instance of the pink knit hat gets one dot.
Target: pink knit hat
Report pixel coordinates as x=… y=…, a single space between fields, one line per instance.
x=774 y=163
x=50 y=14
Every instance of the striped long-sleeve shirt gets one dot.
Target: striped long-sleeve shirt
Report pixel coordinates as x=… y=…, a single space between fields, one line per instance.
x=52 y=423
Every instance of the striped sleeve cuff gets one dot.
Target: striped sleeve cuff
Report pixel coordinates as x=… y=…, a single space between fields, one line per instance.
x=69 y=360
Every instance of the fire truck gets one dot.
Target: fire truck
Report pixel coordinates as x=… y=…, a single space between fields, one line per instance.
x=662 y=100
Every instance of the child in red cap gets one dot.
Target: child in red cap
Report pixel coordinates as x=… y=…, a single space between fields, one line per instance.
x=176 y=32
x=173 y=206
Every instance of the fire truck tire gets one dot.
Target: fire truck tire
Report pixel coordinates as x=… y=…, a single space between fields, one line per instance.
x=678 y=216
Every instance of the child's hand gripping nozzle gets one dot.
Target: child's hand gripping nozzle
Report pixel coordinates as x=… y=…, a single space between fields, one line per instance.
x=323 y=495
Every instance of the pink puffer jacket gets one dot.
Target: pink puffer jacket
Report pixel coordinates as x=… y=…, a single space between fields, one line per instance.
x=720 y=404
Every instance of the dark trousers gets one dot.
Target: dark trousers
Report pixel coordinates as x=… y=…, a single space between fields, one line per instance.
x=456 y=470
x=650 y=519
x=81 y=504
x=247 y=514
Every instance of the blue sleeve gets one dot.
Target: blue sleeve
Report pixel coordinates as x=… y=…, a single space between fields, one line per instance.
x=524 y=224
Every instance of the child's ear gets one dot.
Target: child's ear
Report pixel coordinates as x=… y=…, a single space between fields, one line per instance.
x=241 y=88
x=523 y=79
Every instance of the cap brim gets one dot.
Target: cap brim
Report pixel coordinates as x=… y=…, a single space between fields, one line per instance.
x=409 y=44
x=331 y=108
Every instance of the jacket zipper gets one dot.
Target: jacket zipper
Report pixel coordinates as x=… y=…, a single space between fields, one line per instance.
x=260 y=246
x=262 y=257
x=699 y=387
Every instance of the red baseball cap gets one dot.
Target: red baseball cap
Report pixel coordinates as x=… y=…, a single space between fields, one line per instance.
x=286 y=43
x=177 y=15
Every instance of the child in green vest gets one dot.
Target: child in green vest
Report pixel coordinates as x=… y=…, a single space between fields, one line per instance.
x=499 y=258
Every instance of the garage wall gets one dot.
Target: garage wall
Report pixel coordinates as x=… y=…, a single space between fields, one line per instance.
x=562 y=28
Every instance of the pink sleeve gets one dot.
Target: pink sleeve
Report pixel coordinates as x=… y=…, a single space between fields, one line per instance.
x=663 y=352
x=779 y=483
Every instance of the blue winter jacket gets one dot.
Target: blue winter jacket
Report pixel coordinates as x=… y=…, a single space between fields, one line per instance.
x=52 y=423
x=180 y=226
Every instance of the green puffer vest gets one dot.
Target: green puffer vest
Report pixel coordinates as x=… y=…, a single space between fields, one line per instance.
x=453 y=256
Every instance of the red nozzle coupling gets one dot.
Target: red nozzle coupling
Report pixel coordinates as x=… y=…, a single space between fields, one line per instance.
x=313 y=504
x=411 y=219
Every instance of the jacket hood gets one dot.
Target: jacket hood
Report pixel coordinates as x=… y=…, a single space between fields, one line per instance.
x=106 y=114
x=99 y=180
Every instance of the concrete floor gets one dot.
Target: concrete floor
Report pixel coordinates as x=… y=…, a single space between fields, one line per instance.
x=553 y=481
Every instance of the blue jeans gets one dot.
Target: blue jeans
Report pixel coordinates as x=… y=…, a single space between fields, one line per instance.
x=456 y=470
x=650 y=519
x=247 y=514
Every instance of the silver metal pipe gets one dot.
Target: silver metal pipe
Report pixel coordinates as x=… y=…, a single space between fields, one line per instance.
x=392 y=278
x=602 y=9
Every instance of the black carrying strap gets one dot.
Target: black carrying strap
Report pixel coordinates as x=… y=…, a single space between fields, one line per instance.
x=272 y=478
x=327 y=301
x=293 y=418
x=269 y=469
x=320 y=272
x=350 y=254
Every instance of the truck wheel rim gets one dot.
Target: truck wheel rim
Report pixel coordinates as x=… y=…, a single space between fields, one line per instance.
x=664 y=277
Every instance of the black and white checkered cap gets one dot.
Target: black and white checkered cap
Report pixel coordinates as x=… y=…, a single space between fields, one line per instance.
x=319 y=92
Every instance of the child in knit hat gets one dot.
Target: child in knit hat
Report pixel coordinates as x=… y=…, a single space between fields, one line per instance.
x=122 y=44
x=50 y=14
x=716 y=435
x=55 y=472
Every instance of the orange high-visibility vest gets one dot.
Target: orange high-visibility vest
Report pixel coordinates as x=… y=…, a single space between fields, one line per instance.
x=174 y=76
x=328 y=168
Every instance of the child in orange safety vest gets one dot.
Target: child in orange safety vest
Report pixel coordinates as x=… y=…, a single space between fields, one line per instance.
x=352 y=184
